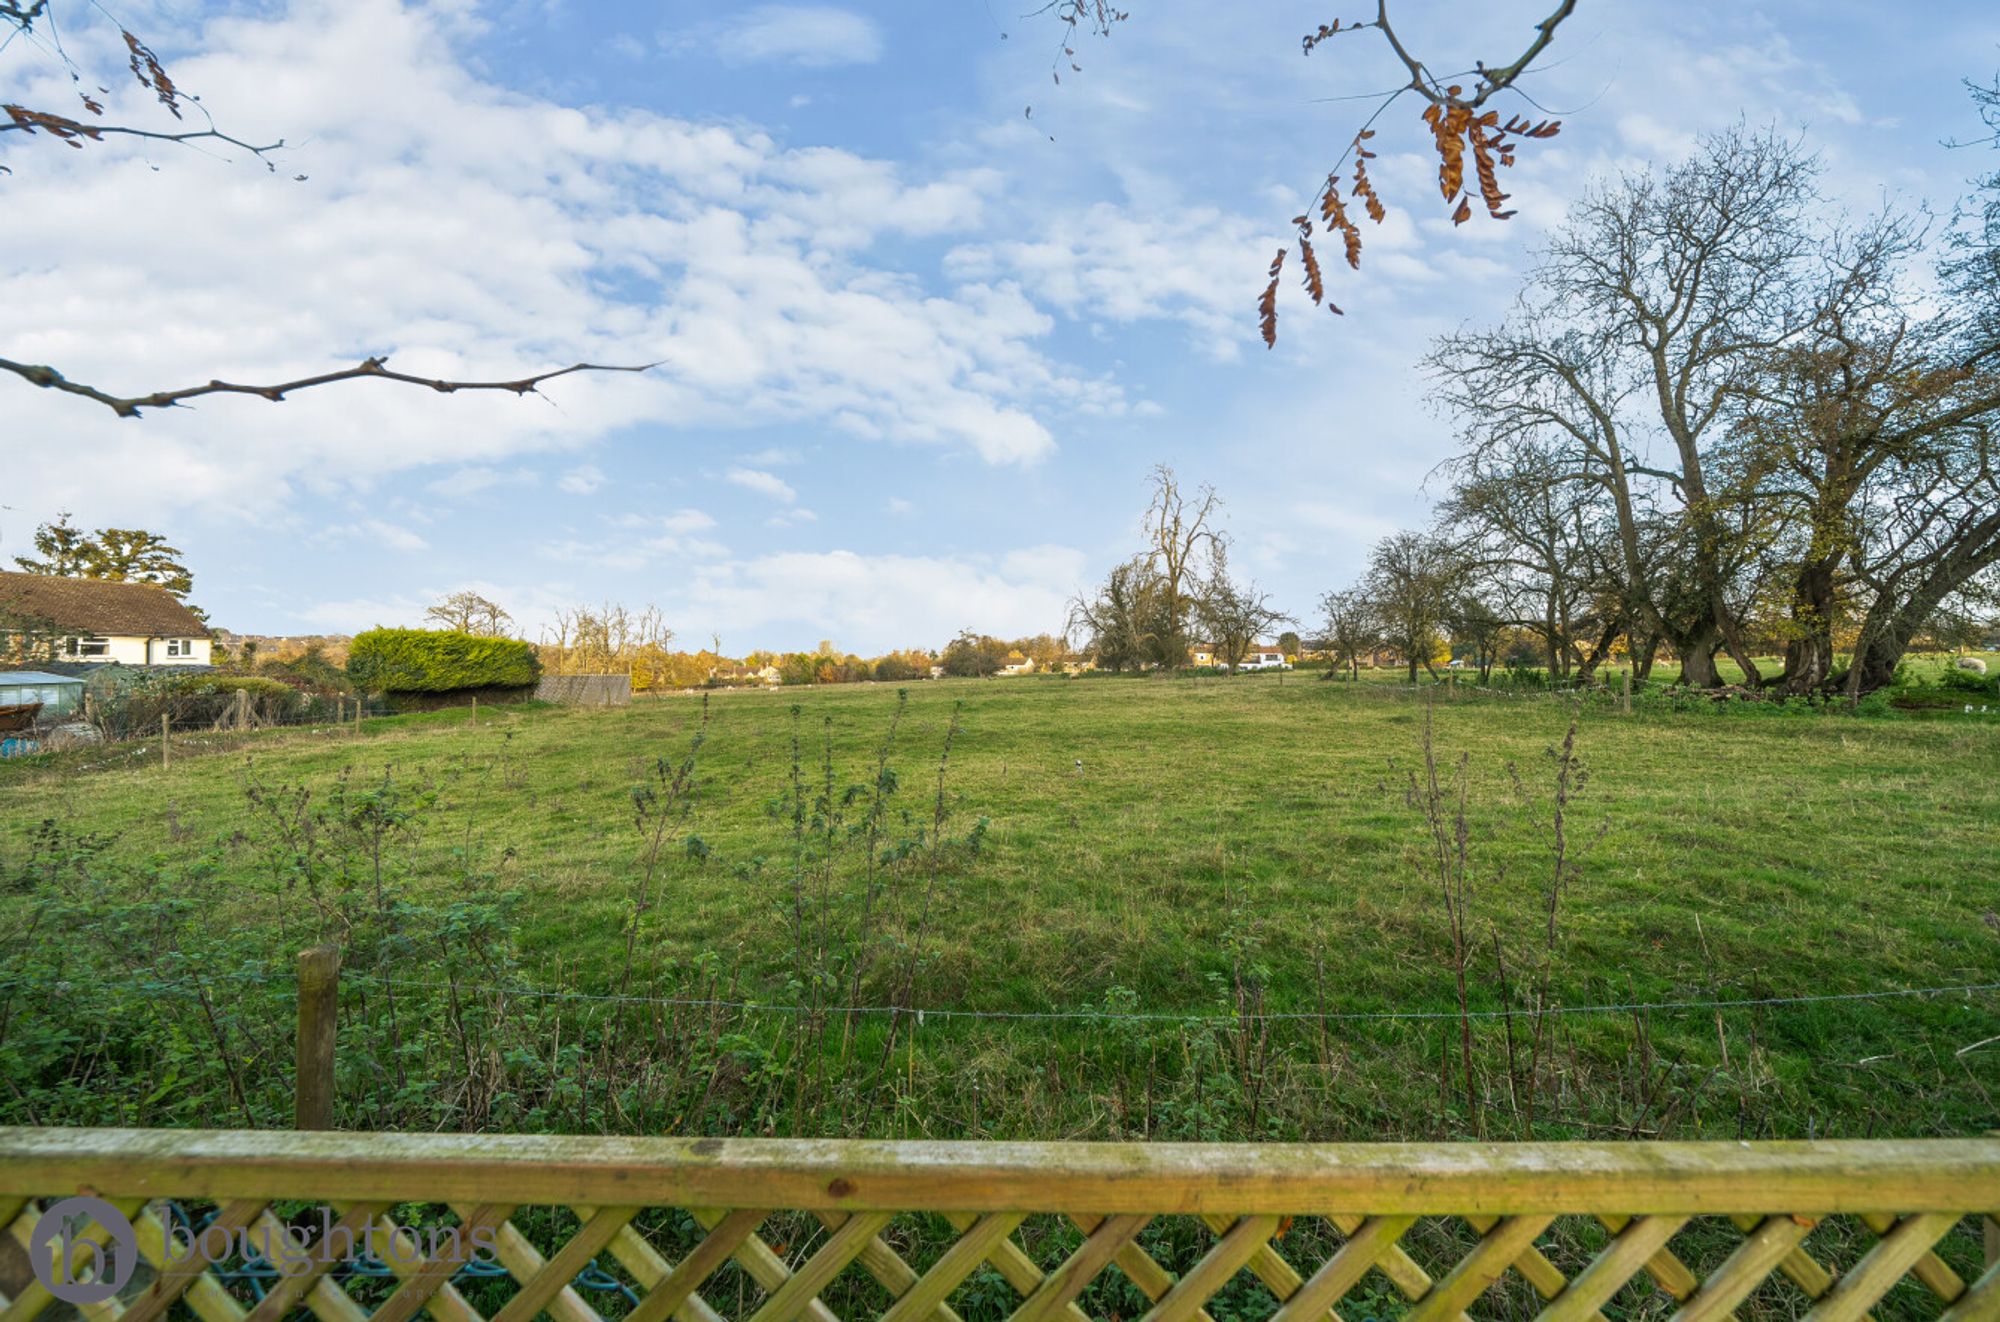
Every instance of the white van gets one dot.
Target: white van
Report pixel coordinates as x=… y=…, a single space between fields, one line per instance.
x=1265 y=658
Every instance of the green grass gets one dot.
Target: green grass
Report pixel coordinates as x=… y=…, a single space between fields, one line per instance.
x=1222 y=844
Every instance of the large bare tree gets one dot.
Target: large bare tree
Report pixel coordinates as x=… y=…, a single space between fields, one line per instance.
x=1649 y=311
x=1871 y=439
x=1183 y=545
x=1734 y=382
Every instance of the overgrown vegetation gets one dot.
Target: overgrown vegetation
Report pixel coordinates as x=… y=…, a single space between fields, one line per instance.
x=756 y=920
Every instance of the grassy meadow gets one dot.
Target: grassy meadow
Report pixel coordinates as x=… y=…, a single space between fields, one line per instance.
x=1186 y=856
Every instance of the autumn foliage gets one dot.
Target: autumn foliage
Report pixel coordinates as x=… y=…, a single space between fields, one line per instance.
x=1459 y=127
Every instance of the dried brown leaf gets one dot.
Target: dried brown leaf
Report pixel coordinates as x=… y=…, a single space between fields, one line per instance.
x=1267 y=306
x=1315 y=286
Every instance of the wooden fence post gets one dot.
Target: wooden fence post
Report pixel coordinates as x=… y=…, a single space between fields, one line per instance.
x=359 y=700
x=1625 y=690
x=475 y=709
x=243 y=709
x=319 y=1010
x=166 y=723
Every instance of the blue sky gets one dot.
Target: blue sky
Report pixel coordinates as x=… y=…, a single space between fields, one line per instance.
x=918 y=347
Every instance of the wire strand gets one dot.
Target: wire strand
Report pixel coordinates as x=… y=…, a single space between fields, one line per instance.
x=922 y=1013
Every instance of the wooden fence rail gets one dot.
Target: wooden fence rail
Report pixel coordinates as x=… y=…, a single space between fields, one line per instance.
x=772 y=1230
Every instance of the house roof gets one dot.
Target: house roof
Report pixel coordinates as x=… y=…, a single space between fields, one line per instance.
x=94 y=606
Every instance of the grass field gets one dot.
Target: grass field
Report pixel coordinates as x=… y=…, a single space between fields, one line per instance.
x=1198 y=850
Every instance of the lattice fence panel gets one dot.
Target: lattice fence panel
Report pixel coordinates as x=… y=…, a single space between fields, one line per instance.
x=496 y=1262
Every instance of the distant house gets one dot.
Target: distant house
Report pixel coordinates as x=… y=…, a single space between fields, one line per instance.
x=136 y=624
x=1017 y=663
x=1201 y=654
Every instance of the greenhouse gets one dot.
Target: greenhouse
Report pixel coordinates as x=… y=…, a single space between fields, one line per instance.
x=31 y=696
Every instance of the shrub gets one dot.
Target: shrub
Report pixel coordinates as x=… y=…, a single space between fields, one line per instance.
x=438 y=661
x=1969 y=681
x=127 y=702
x=310 y=670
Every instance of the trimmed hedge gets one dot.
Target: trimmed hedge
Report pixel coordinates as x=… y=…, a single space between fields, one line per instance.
x=438 y=661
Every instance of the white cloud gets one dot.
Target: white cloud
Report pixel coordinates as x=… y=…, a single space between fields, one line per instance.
x=1192 y=265
x=811 y=36
x=897 y=505
x=870 y=602
x=468 y=229
x=628 y=554
x=676 y=524
x=1048 y=565
x=475 y=478
x=582 y=480
x=764 y=484
x=374 y=532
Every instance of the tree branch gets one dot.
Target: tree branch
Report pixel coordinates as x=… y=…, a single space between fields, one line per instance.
x=129 y=406
x=1490 y=80
x=22 y=119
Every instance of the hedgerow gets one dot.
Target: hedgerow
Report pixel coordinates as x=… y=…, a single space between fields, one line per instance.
x=438 y=661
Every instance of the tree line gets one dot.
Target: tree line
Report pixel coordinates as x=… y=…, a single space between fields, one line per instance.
x=1725 y=419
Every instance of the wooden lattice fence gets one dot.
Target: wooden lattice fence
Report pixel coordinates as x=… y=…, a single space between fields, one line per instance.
x=582 y=1229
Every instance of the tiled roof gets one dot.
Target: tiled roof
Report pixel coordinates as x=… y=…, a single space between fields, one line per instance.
x=92 y=606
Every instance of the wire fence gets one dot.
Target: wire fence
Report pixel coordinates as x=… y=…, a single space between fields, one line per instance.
x=163 y=727
x=469 y=1047
x=281 y=984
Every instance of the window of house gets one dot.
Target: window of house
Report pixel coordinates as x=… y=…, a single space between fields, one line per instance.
x=88 y=646
x=180 y=647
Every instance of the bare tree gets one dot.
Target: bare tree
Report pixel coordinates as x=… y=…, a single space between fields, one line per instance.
x=1539 y=546
x=1234 y=615
x=1183 y=546
x=608 y=639
x=1412 y=578
x=1646 y=316
x=1351 y=629
x=1871 y=440
x=468 y=612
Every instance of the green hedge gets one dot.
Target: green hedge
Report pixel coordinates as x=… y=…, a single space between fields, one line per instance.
x=438 y=661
